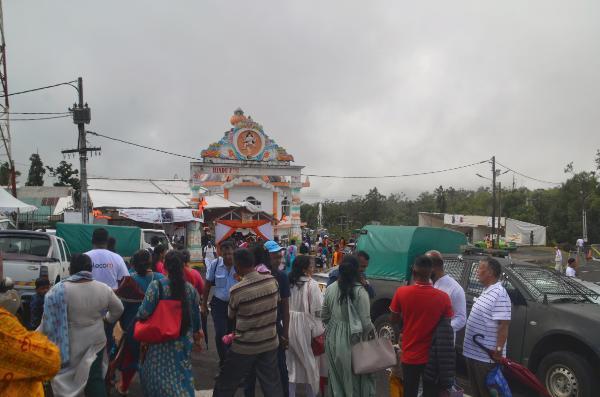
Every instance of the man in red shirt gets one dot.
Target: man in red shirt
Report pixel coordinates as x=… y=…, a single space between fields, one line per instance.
x=420 y=307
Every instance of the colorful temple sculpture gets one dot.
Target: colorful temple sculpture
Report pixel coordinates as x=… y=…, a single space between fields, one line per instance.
x=248 y=167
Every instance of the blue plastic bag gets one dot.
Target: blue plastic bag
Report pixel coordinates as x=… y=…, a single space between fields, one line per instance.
x=497 y=384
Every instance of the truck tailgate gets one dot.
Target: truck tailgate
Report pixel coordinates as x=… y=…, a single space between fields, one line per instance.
x=23 y=273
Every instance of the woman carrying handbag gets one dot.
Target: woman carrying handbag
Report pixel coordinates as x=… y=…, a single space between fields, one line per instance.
x=166 y=369
x=347 y=318
x=131 y=291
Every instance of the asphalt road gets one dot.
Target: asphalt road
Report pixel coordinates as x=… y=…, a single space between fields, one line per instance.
x=590 y=271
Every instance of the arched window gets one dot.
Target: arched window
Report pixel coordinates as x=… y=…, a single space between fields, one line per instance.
x=285 y=206
x=253 y=201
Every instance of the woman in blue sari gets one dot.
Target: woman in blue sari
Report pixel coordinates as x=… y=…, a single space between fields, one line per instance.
x=166 y=369
x=142 y=274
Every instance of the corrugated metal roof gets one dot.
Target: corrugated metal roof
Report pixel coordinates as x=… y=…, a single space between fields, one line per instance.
x=43 y=192
x=139 y=193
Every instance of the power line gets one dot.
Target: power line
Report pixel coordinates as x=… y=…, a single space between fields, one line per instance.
x=309 y=175
x=35 y=113
x=41 y=118
x=335 y=176
x=527 y=176
x=142 y=146
x=40 y=88
x=397 y=176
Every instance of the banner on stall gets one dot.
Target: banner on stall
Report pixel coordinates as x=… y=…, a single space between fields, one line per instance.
x=161 y=215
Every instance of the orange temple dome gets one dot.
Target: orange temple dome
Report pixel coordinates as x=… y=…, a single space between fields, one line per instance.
x=238 y=116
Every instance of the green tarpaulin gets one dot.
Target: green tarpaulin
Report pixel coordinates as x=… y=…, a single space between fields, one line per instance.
x=393 y=249
x=79 y=237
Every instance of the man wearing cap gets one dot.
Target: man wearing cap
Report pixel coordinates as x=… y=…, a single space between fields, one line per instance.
x=283 y=314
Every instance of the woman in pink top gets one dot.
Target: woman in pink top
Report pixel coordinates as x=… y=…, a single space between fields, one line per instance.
x=158 y=259
x=192 y=276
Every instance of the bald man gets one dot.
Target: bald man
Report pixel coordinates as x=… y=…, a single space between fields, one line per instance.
x=444 y=282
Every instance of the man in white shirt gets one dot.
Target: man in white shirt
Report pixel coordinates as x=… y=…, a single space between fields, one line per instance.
x=490 y=316
x=209 y=253
x=571 y=264
x=107 y=267
x=446 y=283
x=558 y=260
x=580 y=243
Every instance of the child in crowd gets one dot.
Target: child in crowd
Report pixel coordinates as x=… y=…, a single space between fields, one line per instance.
x=36 y=307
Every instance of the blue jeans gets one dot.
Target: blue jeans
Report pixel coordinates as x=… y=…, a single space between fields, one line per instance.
x=250 y=383
x=223 y=326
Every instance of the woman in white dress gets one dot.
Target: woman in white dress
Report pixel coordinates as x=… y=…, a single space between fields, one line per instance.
x=74 y=314
x=305 y=323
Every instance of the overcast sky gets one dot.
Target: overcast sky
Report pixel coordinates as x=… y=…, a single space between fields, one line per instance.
x=348 y=87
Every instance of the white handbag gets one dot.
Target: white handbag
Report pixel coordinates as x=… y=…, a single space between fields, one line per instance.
x=373 y=355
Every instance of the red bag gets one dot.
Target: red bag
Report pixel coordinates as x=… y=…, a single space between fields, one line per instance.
x=163 y=325
x=317 y=344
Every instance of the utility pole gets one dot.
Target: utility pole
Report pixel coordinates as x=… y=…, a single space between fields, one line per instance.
x=320 y=216
x=4 y=109
x=493 y=201
x=81 y=116
x=583 y=214
x=499 y=208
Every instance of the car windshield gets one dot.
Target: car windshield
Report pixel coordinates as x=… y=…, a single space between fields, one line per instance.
x=161 y=237
x=24 y=245
x=545 y=284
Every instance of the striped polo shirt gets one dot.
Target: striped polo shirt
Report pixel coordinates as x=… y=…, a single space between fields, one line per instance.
x=253 y=304
x=491 y=306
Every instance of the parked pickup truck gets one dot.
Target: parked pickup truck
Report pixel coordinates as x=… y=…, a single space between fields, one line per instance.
x=554 y=325
x=30 y=255
x=555 y=319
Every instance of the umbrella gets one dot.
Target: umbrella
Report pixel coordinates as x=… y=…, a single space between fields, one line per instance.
x=523 y=375
x=516 y=371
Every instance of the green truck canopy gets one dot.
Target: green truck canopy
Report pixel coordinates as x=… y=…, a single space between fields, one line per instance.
x=393 y=249
x=79 y=237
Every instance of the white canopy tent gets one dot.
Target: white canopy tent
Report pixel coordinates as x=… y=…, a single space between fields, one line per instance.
x=10 y=204
x=523 y=233
x=216 y=202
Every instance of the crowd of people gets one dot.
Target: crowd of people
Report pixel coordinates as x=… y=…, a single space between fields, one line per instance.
x=272 y=323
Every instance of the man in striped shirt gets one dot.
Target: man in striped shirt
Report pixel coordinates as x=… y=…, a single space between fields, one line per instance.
x=253 y=308
x=490 y=317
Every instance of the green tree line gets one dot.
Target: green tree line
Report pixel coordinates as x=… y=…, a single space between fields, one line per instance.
x=558 y=208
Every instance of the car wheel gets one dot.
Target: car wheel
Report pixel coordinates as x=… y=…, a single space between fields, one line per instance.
x=566 y=374
x=385 y=328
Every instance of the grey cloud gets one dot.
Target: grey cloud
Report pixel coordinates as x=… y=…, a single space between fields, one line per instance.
x=348 y=87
